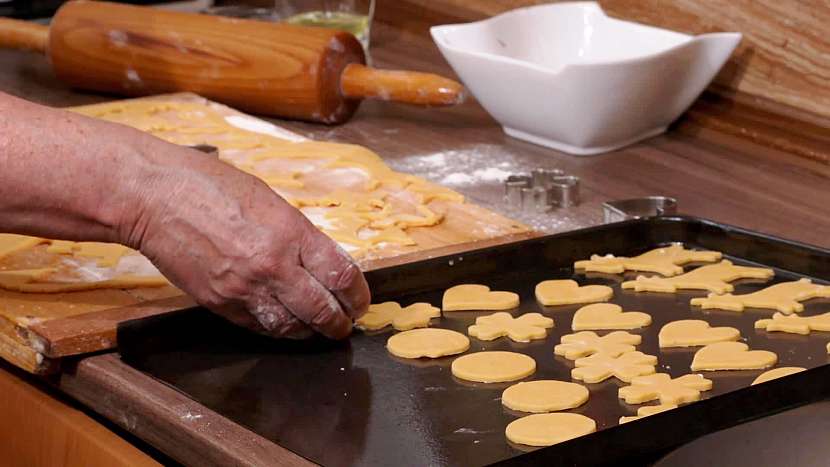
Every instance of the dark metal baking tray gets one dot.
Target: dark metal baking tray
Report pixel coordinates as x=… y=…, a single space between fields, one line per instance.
x=351 y=403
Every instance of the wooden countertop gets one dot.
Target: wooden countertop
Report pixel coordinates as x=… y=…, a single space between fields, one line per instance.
x=713 y=173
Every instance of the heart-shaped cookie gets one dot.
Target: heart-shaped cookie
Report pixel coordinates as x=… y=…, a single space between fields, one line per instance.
x=692 y=332
x=568 y=292
x=608 y=316
x=478 y=297
x=732 y=356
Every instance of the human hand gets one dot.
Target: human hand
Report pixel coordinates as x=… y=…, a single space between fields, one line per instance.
x=225 y=238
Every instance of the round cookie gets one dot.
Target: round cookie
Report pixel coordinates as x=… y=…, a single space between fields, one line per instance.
x=544 y=396
x=493 y=366
x=546 y=429
x=776 y=373
x=427 y=342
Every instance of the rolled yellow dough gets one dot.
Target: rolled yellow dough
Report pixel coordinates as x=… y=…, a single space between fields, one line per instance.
x=568 y=292
x=522 y=329
x=493 y=366
x=784 y=297
x=608 y=316
x=544 y=396
x=661 y=386
x=713 y=277
x=795 y=324
x=694 y=332
x=732 y=356
x=383 y=314
x=647 y=410
x=478 y=297
x=667 y=261
x=546 y=429
x=585 y=343
x=427 y=342
x=776 y=373
x=599 y=367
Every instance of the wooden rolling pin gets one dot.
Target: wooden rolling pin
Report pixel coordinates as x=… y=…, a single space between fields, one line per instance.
x=266 y=68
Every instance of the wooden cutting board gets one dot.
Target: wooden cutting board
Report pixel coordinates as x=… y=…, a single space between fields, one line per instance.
x=36 y=330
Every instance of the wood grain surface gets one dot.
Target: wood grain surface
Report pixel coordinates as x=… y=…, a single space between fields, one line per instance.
x=278 y=69
x=37 y=430
x=167 y=419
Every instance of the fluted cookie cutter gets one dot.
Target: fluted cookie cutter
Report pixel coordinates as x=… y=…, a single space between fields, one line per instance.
x=541 y=190
x=636 y=208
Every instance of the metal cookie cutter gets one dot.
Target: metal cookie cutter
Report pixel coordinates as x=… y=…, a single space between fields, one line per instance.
x=541 y=190
x=635 y=208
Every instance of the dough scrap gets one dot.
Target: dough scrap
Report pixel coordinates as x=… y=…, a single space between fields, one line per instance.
x=732 y=356
x=65 y=266
x=599 y=367
x=568 y=292
x=478 y=297
x=647 y=410
x=383 y=314
x=686 y=388
x=713 y=277
x=493 y=366
x=586 y=343
x=12 y=243
x=547 y=429
x=667 y=261
x=522 y=329
x=776 y=373
x=368 y=205
x=694 y=332
x=608 y=316
x=427 y=342
x=795 y=324
x=784 y=297
x=544 y=396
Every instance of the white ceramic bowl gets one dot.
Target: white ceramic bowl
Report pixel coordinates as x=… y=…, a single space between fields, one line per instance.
x=568 y=77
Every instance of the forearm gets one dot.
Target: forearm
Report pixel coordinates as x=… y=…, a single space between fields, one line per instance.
x=66 y=176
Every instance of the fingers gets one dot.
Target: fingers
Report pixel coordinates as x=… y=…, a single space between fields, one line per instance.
x=312 y=304
x=332 y=267
x=267 y=316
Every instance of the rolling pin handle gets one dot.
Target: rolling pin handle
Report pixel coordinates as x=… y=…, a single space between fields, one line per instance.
x=23 y=35
x=359 y=82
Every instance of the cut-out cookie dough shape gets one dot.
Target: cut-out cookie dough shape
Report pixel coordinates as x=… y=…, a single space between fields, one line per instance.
x=12 y=243
x=694 y=332
x=522 y=329
x=732 y=356
x=383 y=314
x=478 y=297
x=648 y=410
x=599 y=367
x=544 y=396
x=713 y=277
x=795 y=324
x=582 y=344
x=426 y=342
x=661 y=386
x=493 y=366
x=608 y=316
x=547 y=429
x=784 y=297
x=776 y=373
x=568 y=292
x=667 y=261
